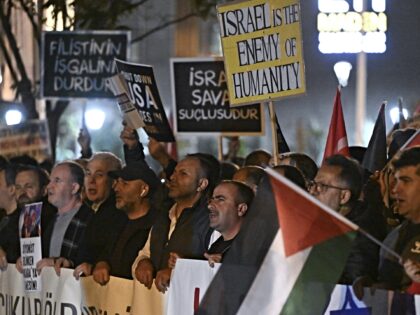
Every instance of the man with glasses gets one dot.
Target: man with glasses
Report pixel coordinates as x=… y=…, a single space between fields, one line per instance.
x=338 y=185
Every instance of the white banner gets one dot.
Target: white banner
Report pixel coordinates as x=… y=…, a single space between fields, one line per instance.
x=189 y=282
x=65 y=295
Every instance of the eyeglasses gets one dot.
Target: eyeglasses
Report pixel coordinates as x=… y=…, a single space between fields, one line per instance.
x=321 y=187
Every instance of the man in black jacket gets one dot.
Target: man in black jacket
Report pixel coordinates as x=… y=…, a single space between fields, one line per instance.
x=134 y=187
x=182 y=229
x=338 y=185
x=108 y=220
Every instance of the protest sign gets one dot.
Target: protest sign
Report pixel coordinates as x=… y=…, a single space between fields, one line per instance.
x=120 y=90
x=30 y=137
x=201 y=100
x=262 y=47
x=145 y=96
x=30 y=245
x=77 y=63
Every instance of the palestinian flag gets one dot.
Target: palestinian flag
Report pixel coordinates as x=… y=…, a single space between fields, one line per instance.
x=299 y=269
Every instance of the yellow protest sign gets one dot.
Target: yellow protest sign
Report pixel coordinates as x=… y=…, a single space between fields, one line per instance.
x=262 y=47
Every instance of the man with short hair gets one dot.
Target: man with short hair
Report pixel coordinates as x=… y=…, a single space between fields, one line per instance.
x=9 y=225
x=183 y=229
x=250 y=175
x=338 y=185
x=104 y=227
x=64 y=235
x=404 y=239
x=227 y=208
x=134 y=187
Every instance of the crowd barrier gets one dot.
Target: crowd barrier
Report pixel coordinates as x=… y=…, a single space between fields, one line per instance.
x=64 y=295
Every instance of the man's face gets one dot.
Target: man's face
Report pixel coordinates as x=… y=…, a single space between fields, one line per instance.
x=98 y=184
x=28 y=189
x=407 y=192
x=327 y=177
x=223 y=210
x=61 y=188
x=127 y=194
x=185 y=179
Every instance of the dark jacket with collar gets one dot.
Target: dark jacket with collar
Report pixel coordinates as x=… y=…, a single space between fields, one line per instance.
x=73 y=236
x=101 y=232
x=188 y=238
x=131 y=239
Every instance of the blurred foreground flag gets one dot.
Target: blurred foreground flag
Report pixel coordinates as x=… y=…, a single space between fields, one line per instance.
x=306 y=257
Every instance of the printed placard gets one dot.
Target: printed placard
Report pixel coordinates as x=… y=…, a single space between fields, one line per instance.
x=30 y=245
x=144 y=94
x=77 y=64
x=201 y=100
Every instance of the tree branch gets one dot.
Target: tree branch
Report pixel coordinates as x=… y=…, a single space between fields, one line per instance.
x=8 y=60
x=162 y=26
x=31 y=18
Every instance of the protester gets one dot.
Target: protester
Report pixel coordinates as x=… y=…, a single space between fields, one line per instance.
x=31 y=186
x=291 y=173
x=104 y=227
x=64 y=235
x=250 y=175
x=9 y=225
x=227 y=208
x=227 y=170
x=338 y=185
x=134 y=188
x=258 y=158
x=182 y=229
x=403 y=238
x=302 y=162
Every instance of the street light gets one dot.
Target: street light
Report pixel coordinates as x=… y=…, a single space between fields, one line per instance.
x=95 y=119
x=13 y=117
x=342 y=71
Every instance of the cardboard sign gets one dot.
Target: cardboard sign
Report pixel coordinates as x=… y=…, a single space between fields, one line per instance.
x=262 y=47
x=30 y=137
x=201 y=100
x=77 y=64
x=120 y=90
x=145 y=96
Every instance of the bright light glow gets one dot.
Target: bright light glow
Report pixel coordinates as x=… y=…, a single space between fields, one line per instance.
x=333 y=6
x=338 y=24
x=378 y=5
x=358 y=5
x=13 y=117
x=342 y=71
x=395 y=114
x=95 y=119
x=351 y=42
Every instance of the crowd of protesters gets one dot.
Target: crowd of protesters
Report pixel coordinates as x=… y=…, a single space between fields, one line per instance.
x=104 y=219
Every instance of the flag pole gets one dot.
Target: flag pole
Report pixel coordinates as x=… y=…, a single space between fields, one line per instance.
x=273 y=133
x=381 y=245
x=220 y=148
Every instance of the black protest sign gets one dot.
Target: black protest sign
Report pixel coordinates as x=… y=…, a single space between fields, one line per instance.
x=77 y=64
x=202 y=100
x=145 y=96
